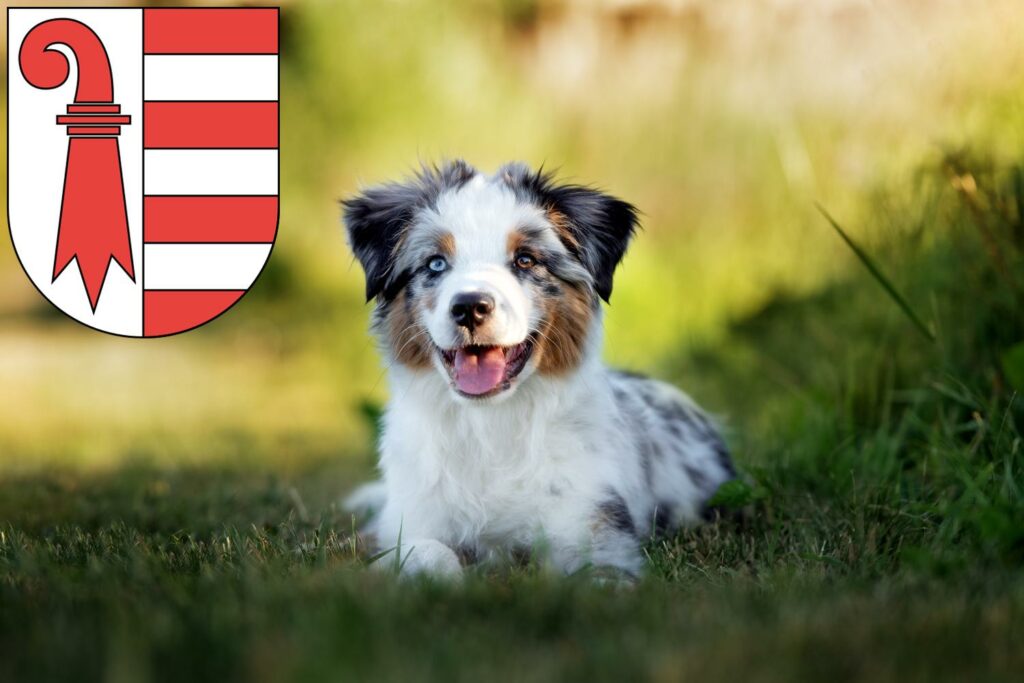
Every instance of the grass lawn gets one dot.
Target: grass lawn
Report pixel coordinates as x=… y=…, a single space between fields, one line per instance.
x=878 y=535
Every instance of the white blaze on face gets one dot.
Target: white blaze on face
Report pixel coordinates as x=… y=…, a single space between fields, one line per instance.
x=480 y=216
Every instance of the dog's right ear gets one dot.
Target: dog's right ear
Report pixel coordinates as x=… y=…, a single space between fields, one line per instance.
x=378 y=218
x=375 y=221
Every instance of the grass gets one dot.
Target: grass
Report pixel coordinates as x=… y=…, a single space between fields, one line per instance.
x=877 y=535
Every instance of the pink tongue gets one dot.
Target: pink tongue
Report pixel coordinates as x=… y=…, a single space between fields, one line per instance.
x=478 y=373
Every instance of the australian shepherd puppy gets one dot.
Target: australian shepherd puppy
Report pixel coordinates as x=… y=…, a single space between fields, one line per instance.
x=505 y=434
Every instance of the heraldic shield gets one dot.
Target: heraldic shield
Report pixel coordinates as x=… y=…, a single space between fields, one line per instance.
x=142 y=160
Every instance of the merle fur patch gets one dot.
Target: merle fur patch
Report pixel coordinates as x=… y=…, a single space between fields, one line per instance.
x=615 y=514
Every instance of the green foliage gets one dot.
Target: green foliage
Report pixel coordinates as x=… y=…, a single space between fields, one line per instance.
x=879 y=276
x=736 y=494
x=1013 y=366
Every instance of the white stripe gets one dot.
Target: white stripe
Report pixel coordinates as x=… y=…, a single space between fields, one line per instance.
x=211 y=171
x=210 y=77
x=202 y=266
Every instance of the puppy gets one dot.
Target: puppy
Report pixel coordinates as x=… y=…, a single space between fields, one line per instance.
x=505 y=434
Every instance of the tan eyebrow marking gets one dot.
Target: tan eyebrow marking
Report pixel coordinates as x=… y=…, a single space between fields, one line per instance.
x=561 y=224
x=521 y=238
x=516 y=239
x=446 y=243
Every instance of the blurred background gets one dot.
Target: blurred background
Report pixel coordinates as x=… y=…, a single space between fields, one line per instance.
x=722 y=121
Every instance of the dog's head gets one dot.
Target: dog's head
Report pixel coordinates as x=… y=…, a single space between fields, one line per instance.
x=488 y=279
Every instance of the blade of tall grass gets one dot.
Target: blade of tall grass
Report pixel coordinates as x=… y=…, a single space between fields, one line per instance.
x=878 y=275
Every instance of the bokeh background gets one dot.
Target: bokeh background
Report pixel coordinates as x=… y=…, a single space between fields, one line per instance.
x=722 y=121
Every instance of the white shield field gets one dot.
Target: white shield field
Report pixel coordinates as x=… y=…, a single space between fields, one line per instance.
x=143 y=160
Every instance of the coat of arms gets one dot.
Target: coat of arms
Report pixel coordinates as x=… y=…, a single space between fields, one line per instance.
x=142 y=165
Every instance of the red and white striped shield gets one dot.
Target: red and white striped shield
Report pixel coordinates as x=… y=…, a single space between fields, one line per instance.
x=142 y=160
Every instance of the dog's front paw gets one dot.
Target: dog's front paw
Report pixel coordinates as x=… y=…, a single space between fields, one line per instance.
x=428 y=557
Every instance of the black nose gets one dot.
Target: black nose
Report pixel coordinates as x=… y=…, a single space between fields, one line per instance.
x=470 y=309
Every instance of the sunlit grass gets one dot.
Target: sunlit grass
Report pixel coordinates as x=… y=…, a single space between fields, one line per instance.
x=88 y=400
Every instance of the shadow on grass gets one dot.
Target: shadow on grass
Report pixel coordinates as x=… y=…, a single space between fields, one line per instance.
x=167 y=500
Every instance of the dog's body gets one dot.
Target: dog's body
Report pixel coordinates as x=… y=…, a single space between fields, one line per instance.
x=505 y=433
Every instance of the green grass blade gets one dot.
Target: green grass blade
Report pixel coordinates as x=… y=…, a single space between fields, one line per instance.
x=878 y=275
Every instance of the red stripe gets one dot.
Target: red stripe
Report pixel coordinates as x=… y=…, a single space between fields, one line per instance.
x=177 y=311
x=94 y=130
x=94 y=108
x=211 y=124
x=209 y=219
x=87 y=120
x=210 y=31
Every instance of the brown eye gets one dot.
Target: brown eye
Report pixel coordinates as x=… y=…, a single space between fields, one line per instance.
x=525 y=262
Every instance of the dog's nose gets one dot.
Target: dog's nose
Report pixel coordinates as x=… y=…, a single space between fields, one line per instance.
x=470 y=309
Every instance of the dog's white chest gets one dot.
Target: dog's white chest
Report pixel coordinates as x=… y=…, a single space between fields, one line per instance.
x=501 y=479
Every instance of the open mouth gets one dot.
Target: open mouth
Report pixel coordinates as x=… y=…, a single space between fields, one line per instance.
x=482 y=371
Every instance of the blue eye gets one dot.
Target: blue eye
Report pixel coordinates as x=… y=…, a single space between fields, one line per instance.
x=437 y=264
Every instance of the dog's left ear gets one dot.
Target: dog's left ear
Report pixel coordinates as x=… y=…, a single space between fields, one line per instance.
x=599 y=229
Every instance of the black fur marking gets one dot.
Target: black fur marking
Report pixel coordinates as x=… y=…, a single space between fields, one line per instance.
x=724 y=458
x=698 y=476
x=601 y=226
x=675 y=414
x=467 y=554
x=662 y=519
x=656 y=449
x=565 y=269
x=430 y=279
x=629 y=375
x=714 y=513
x=616 y=514
x=394 y=285
x=555 y=262
x=703 y=425
x=531 y=234
x=521 y=556
x=377 y=219
x=537 y=275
